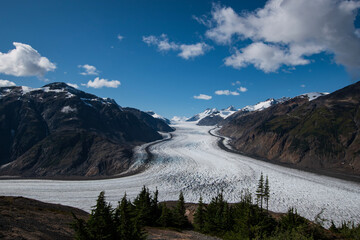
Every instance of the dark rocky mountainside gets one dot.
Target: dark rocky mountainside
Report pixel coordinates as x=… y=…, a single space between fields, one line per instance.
x=322 y=134
x=58 y=130
x=155 y=123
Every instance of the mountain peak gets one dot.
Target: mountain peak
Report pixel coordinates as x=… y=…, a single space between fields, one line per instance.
x=57 y=85
x=230 y=108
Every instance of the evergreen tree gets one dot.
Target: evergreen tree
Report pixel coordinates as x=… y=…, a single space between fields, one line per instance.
x=155 y=210
x=216 y=216
x=267 y=193
x=260 y=192
x=80 y=227
x=100 y=223
x=125 y=227
x=199 y=216
x=142 y=207
x=165 y=217
x=179 y=212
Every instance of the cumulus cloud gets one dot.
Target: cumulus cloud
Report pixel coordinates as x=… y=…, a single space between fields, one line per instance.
x=242 y=89
x=193 y=50
x=88 y=70
x=100 y=82
x=226 y=92
x=24 y=61
x=187 y=51
x=120 y=37
x=287 y=32
x=236 y=83
x=162 y=42
x=6 y=83
x=302 y=85
x=203 y=97
x=74 y=85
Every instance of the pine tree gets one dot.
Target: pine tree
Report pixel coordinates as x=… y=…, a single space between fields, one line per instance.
x=143 y=208
x=155 y=211
x=179 y=213
x=100 y=223
x=199 y=216
x=260 y=191
x=80 y=227
x=125 y=227
x=165 y=217
x=267 y=193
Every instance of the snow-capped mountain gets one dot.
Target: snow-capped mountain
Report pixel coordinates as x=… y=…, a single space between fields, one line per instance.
x=314 y=95
x=57 y=130
x=178 y=119
x=155 y=115
x=212 y=116
x=265 y=104
x=204 y=114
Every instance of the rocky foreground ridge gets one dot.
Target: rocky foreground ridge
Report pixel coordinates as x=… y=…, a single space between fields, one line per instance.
x=58 y=130
x=314 y=134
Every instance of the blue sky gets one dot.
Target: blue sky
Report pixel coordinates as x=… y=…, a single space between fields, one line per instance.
x=170 y=51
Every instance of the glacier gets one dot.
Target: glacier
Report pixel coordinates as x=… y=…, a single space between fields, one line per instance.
x=192 y=162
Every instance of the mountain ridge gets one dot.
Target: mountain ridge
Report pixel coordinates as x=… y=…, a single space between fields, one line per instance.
x=58 y=130
x=321 y=133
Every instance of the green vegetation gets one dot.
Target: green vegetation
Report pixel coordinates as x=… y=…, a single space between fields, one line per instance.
x=242 y=220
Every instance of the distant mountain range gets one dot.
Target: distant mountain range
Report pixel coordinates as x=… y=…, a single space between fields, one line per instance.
x=211 y=117
x=316 y=131
x=58 y=130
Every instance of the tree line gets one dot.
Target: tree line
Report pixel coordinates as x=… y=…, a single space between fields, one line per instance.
x=242 y=220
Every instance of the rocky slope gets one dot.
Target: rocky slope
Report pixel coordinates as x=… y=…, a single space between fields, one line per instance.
x=158 y=124
x=23 y=218
x=58 y=130
x=321 y=133
x=157 y=116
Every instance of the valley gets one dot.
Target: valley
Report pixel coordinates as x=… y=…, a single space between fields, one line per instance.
x=192 y=162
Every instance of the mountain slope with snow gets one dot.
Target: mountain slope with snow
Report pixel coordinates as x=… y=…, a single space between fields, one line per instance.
x=313 y=131
x=155 y=115
x=58 y=130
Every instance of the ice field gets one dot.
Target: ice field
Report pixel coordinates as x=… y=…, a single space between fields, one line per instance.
x=192 y=162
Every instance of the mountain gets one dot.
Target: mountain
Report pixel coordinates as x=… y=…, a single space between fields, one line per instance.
x=58 y=130
x=199 y=116
x=178 y=119
x=156 y=122
x=311 y=131
x=155 y=115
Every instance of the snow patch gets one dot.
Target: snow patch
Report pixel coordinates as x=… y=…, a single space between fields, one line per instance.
x=314 y=95
x=68 y=109
x=179 y=119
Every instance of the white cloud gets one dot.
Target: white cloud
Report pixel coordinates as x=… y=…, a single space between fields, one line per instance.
x=120 y=37
x=161 y=42
x=242 y=89
x=88 y=70
x=100 y=82
x=74 y=85
x=203 y=97
x=285 y=32
x=226 y=92
x=302 y=85
x=6 y=83
x=236 y=83
x=24 y=61
x=187 y=51
x=193 y=50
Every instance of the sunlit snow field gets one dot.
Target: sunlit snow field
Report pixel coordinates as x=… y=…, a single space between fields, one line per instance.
x=192 y=162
